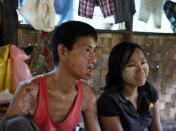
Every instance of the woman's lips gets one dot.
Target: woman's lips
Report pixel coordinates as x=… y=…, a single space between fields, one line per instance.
x=140 y=77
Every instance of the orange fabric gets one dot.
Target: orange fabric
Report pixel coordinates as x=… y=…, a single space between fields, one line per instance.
x=42 y=116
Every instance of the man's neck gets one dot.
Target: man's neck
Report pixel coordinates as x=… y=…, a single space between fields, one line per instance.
x=61 y=81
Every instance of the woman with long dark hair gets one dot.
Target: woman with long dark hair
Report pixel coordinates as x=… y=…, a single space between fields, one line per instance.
x=129 y=102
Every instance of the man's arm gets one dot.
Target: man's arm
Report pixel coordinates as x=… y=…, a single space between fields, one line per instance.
x=89 y=111
x=23 y=103
x=156 y=124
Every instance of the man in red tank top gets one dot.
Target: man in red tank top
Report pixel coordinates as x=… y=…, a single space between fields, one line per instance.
x=54 y=101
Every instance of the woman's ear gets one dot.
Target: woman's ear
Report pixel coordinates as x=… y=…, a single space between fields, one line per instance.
x=62 y=51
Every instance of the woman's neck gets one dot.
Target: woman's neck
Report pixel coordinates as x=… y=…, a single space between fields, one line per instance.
x=130 y=92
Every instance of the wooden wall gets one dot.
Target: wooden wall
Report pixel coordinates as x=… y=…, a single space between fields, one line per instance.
x=160 y=51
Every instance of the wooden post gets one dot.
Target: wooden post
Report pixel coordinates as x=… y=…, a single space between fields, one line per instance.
x=1 y=23
x=9 y=25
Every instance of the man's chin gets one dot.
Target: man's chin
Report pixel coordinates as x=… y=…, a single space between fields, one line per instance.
x=87 y=77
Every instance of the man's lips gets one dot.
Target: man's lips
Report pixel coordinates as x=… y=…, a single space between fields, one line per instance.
x=90 y=69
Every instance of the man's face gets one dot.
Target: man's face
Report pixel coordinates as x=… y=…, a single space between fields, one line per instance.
x=135 y=72
x=81 y=59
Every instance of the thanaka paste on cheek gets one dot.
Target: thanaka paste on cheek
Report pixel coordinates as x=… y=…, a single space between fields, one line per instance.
x=146 y=69
x=128 y=73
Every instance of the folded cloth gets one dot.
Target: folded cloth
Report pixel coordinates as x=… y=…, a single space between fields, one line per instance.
x=39 y=13
x=5 y=96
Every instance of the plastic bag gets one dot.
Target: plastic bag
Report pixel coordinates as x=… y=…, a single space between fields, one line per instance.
x=20 y=70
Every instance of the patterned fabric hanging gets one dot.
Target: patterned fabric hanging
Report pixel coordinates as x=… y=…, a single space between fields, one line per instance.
x=86 y=8
x=170 y=11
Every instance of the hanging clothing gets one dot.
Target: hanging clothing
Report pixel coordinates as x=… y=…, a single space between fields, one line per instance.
x=170 y=11
x=151 y=7
x=42 y=116
x=20 y=3
x=61 y=6
x=40 y=14
x=86 y=8
x=64 y=9
x=124 y=10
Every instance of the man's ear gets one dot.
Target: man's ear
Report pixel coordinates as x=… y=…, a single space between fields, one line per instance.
x=62 y=51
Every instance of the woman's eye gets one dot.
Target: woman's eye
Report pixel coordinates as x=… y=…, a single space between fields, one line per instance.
x=143 y=62
x=130 y=65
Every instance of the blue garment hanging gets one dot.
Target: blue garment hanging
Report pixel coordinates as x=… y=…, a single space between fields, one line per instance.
x=61 y=6
x=20 y=4
x=64 y=9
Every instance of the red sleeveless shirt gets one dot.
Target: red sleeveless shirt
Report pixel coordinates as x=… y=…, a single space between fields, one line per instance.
x=42 y=116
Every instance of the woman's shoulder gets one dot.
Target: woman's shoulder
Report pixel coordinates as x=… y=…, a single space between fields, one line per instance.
x=108 y=103
x=150 y=88
x=151 y=91
x=110 y=94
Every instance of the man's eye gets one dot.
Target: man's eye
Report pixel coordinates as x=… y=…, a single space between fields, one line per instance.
x=95 y=50
x=87 y=49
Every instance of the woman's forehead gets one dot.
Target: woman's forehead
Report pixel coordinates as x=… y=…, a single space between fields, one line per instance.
x=131 y=56
x=137 y=54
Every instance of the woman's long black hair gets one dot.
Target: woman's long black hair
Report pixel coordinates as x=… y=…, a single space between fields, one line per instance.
x=119 y=57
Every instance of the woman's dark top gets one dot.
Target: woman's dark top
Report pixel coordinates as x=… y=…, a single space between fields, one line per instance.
x=112 y=103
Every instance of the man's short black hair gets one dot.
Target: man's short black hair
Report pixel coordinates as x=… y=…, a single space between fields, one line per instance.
x=68 y=33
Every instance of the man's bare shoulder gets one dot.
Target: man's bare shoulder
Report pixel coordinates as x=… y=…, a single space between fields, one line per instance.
x=31 y=83
x=89 y=97
x=25 y=99
x=88 y=91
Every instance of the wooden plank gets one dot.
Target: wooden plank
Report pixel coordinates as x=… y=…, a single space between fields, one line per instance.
x=9 y=22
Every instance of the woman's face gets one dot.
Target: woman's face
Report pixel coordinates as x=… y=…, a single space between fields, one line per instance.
x=135 y=72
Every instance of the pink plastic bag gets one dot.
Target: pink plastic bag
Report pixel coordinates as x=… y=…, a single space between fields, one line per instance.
x=19 y=68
